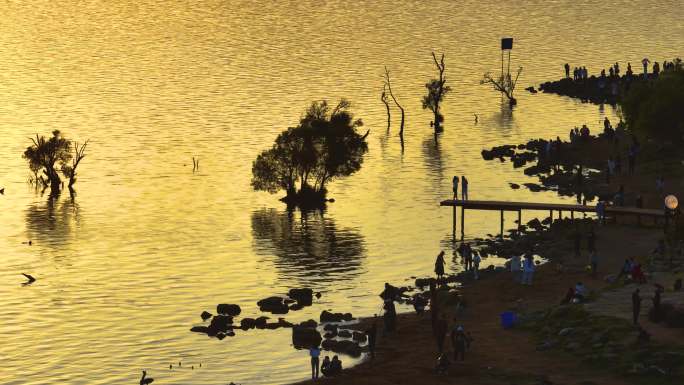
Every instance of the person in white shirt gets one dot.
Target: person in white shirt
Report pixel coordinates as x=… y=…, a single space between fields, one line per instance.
x=476 y=264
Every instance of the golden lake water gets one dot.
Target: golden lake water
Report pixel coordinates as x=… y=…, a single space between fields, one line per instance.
x=125 y=268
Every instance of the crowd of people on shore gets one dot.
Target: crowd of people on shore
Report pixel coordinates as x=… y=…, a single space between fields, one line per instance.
x=580 y=73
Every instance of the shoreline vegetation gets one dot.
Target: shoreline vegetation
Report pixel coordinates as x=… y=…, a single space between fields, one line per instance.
x=555 y=342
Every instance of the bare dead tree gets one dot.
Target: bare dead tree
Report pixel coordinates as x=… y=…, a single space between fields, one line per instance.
x=385 y=101
x=504 y=84
x=70 y=170
x=389 y=88
x=436 y=92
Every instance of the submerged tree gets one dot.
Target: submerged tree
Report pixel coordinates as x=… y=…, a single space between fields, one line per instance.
x=323 y=147
x=385 y=101
x=436 y=92
x=504 y=83
x=388 y=84
x=49 y=156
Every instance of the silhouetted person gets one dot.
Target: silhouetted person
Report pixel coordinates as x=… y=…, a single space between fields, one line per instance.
x=325 y=367
x=656 y=299
x=567 y=70
x=678 y=285
x=464 y=188
x=629 y=72
x=454 y=184
x=371 y=333
x=636 y=306
x=439 y=265
x=335 y=366
x=390 y=317
x=645 y=62
x=314 y=352
x=458 y=341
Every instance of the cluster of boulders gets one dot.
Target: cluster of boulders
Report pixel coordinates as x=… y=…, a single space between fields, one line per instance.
x=296 y=299
x=598 y=90
x=221 y=324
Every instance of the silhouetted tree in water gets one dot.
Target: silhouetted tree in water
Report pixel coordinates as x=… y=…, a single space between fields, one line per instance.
x=385 y=101
x=436 y=92
x=52 y=155
x=504 y=83
x=324 y=146
x=388 y=84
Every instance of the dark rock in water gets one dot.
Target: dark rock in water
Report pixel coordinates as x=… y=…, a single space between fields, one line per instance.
x=302 y=296
x=220 y=335
x=221 y=323
x=347 y=347
x=247 y=323
x=330 y=328
x=228 y=309
x=304 y=338
x=318 y=294
x=329 y=335
x=546 y=221
x=260 y=322
x=274 y=305
x=200 y=329
x=344 y=334
x=288 y=301
x=359 y=337
x=309 y=324
x=534 y=187
x=272 y=325
x=296 y=306
x=514 y=186
x=327 y=316
x=205 y=315
x=284 y=324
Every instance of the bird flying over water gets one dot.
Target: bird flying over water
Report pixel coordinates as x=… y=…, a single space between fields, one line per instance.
x=2 y=191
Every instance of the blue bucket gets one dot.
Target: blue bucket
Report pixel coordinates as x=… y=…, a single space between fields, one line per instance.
x=507 y=319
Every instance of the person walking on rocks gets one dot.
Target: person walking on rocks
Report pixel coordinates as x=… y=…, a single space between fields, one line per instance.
x=439 y=265
x=314 y=352
x=454 y=183
x=464 y=188
x=636 y=306
x=528 y=270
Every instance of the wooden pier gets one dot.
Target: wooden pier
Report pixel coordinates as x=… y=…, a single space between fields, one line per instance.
x=613 y=211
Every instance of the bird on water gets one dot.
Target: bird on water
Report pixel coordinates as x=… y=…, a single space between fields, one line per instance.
x=145 y=381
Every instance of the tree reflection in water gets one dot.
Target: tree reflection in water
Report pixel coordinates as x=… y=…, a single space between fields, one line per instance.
x=308 y=245
x=53 y=222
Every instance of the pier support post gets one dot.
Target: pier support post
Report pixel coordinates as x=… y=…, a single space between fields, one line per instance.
x=462 y=223
x=572 y=214
x=519 y=220
x=453 y=225
x=502 y=223
x=551 y=215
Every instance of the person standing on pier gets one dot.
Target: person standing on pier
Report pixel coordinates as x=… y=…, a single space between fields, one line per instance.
x=454 y=183
x=567 y=71
x=464 y=188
